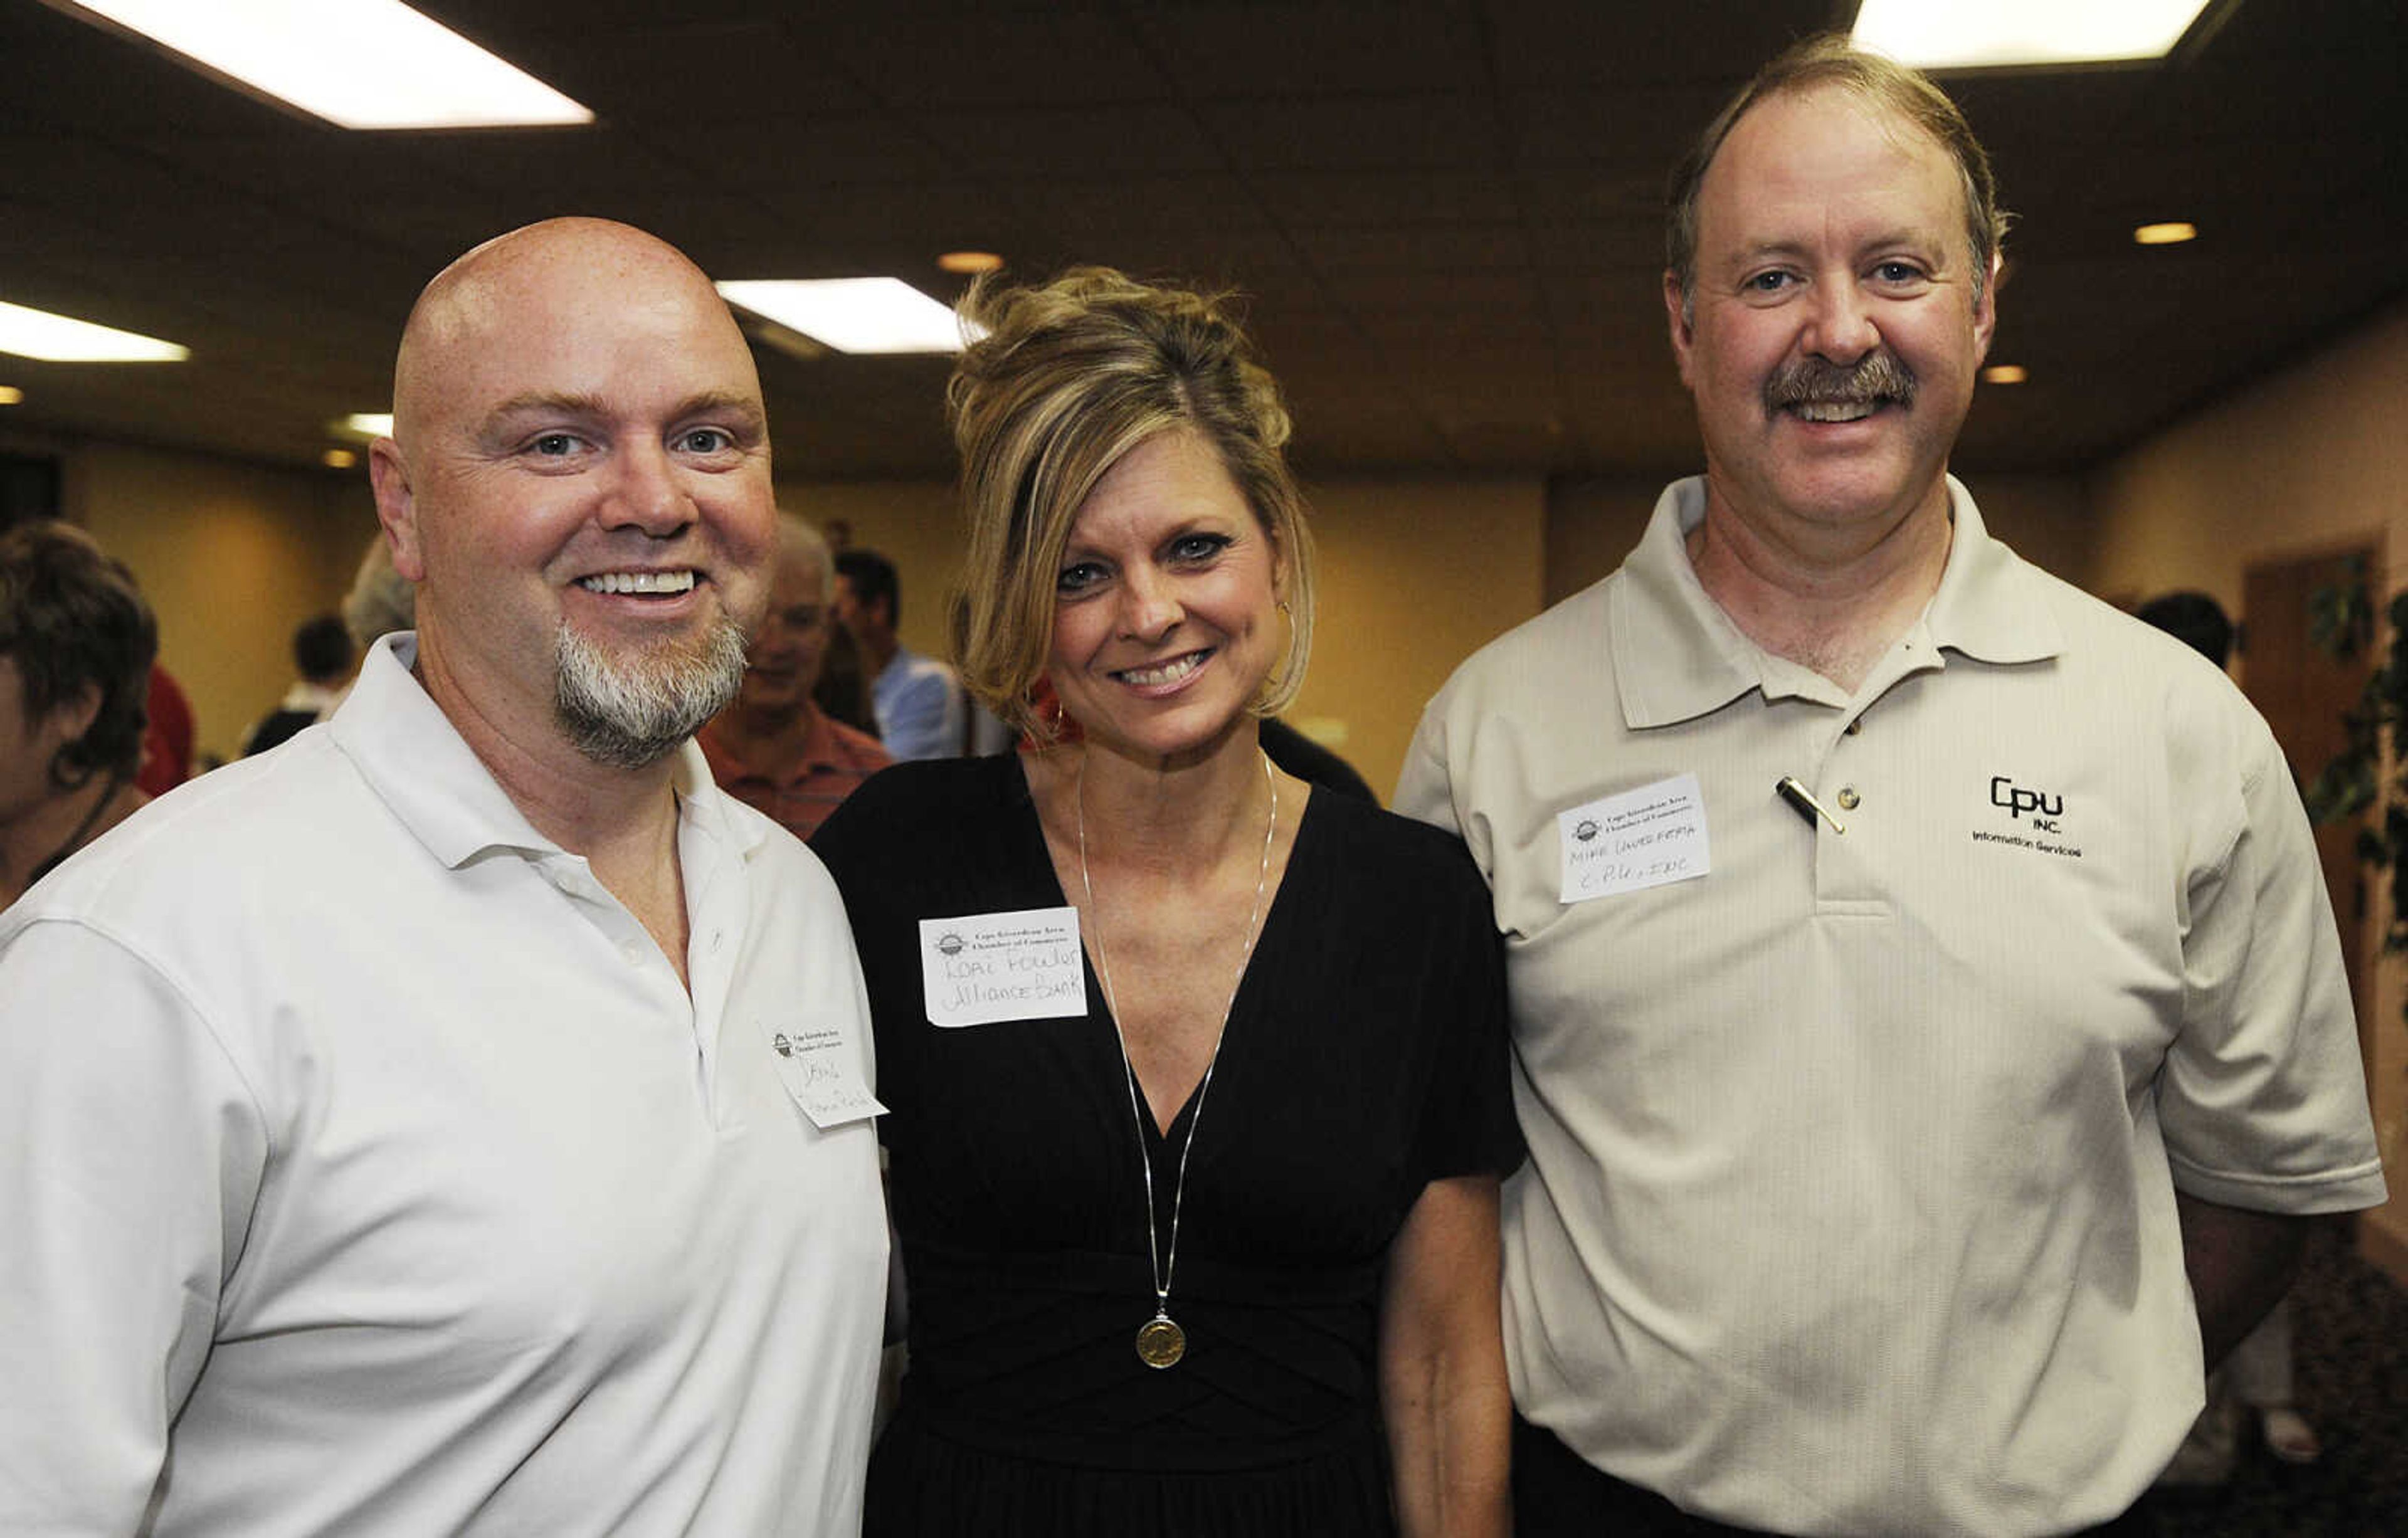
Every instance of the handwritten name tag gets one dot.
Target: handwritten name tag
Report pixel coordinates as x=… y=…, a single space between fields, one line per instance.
x=1638 y=839
x=985 y=967
x=822 y=1070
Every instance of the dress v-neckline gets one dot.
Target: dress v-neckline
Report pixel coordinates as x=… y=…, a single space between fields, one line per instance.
x=1099 y=1008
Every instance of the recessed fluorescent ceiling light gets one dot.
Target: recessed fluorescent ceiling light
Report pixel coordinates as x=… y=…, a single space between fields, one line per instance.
x=57 y=339
x=359 y=63
x=1968 y=35
x=855 y=314
x=368 y=425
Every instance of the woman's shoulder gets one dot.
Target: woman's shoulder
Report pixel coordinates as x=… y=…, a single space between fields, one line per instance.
x=1376 y=843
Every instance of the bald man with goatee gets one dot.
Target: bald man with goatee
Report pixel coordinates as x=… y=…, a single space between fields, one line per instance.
x=460 y=1121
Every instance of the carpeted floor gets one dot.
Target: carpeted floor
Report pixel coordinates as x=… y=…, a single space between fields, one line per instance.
x=2351 y=1358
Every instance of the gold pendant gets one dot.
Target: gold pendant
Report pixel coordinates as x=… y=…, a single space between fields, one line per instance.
x=1160 y=1342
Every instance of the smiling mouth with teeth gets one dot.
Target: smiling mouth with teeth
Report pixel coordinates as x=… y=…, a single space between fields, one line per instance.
x=661 y=584
x=1815 y=390
x=1836 y=411
x=1162 y=672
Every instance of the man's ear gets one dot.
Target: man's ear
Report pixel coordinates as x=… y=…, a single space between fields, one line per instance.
x=396 y=507
x=1676 y=317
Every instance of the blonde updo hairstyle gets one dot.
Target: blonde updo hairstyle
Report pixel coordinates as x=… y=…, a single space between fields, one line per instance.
x=1067 y=379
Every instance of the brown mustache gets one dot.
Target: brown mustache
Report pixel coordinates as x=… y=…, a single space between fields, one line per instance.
x=1878 y=375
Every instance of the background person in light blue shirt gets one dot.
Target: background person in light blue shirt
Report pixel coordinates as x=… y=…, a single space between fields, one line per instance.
x=918 y=700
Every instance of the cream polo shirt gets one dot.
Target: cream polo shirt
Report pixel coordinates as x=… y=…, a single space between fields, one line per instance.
x=368 y=1171
x=1850 y=1201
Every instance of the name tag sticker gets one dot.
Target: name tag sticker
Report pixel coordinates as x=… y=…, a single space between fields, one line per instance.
x=1635 y=840
x=983 y=968
x=822 y=1070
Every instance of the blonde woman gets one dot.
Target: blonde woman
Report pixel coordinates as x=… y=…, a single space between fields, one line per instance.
x=1197 y=1079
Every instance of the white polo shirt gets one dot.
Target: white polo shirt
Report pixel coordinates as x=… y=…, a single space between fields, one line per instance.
x=369 y=1172
x=1850 y=1201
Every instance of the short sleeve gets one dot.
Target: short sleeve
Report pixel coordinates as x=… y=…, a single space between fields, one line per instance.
x=1468 y=1126
x=136 y=1153
x=2262 y=1097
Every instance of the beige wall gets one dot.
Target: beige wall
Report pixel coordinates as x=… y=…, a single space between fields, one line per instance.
x=2047 y=519
x=2305 y=460
x=2311 y=457
x=1415 y=574
x=912 y=524
x=231 y=555
x=1592 y=524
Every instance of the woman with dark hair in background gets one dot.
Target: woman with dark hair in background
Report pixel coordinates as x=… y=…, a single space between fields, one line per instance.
x=76 y=647
x=1198 y=1075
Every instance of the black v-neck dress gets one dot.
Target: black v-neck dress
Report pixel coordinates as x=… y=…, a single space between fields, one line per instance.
x=1365 y=1057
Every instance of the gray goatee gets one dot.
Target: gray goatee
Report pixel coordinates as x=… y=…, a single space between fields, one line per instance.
x=631 y=713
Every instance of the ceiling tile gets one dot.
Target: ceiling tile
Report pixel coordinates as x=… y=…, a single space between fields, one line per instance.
x=1551 y=41
x=1419 y=247
x=1073 y=141
x=695 y=71
x=985 y=56
x=1358 y=133
x=1303 y=199
x=1248 y=50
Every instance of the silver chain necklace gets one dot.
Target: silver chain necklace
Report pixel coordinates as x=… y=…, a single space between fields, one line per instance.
x=1160 y=1342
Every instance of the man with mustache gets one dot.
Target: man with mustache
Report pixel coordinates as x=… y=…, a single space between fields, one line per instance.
x=1930 y=1031
x=457 y=1121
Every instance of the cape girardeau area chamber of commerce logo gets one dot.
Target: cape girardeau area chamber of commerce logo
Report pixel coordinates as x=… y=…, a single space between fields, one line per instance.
x=949 y=944
x=1586 y=828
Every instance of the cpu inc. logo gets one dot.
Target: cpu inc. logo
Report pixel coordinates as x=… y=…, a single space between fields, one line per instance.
x=2046 y=809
